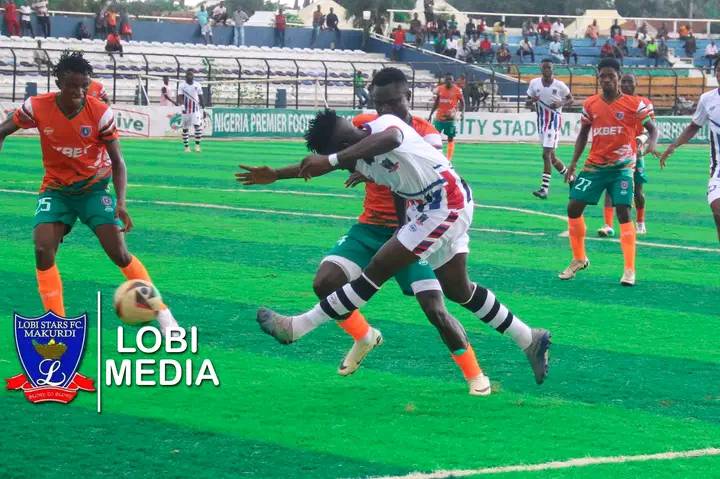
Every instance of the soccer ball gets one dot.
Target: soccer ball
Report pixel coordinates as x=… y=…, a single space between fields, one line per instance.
x=137 y=301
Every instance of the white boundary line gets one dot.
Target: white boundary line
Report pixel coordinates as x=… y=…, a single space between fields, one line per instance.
x=570 y=463
x=99 y=347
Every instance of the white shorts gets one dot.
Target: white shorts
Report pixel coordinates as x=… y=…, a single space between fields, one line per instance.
x=436 y=236
x=192 y=119
x=550 y=138
x=713 y=192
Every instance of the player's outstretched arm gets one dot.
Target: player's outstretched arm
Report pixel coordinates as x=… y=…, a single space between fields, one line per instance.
x=119 y=173
x=8 y=127
x=436 y=102
x=580 y=144
x=688 y=133
x=264 y=175
x=651 y=146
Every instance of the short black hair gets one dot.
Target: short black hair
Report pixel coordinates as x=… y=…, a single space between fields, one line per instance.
x=546 y=60
x=609 y=63
x=389 y=75
x=320 y=130
x=72 y=62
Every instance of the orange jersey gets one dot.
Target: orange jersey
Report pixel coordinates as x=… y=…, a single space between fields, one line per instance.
x=449 y=99
x=613 y=126
x=379 y=206
x=73 y=149
x=97 y=90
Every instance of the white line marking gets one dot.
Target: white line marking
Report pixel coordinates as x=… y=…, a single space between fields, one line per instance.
x=565 y=234
x=511 y=232
x=522 y=210
x=99 y=347
x=245 y=190
x=577 y=462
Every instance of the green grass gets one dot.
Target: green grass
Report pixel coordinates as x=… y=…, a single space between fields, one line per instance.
x=634 y=371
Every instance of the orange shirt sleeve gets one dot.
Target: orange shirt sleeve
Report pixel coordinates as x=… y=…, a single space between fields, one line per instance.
x=586 y=117
x=23 y=116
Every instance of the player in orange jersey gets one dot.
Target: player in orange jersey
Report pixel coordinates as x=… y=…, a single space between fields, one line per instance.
x=97 y=90
x=447 y=99
x=628 y=84
x=377 y=224
x=612 y=118
x=81 y=155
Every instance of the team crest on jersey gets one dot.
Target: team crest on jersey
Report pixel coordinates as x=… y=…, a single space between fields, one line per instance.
x=389 y=165
x=50 y=348
x=85 y=131
x=619 y=115
x=624 y=185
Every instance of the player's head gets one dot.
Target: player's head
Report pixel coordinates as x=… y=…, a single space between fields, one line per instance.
x=717 y=69
x=166 y=79
x=448 y=80
x=628 y=83
x=189 y=76
x=546 y=67
x=391 y=93
x=609 y=75
x=329 y=133
x=72 y=76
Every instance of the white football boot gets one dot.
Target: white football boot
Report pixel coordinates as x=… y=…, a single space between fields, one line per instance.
x=640 y=229
x=575 y=266
x=360 y=349
x=479 y=385
x=606 y=231
x=628 y=278
x=197 y=148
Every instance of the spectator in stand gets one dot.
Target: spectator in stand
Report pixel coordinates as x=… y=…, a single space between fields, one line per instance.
x=112 y=43
x=529 y=30
x=11 y=19
x=239 y=19
x=525 y=50
x=398 y=37
x=641 y=38
x=43 y=16
x=100 y=30
x=165 y=99
x=441 y=25
x=429 y=7
x=500 y=32
x=557 y=30
x=204 y=23
x=711 y=53
x=451 y=46
x=453 y=26
x=544 y=28
x=111 y=21
x=219 y=13
x=684 y=31
x=469 y=28
x=486 y=50
x=568 y=50
x=82 y=31
x=360 y=92
x=380 y=26
x=440 y=43
x=662 y=32
x=503 y=55
x=417 y=30
x=26 y=20
x=690 y=45
x=280 y=25
x=477 y=95
x=555 y=50
x=331 y=21
x=607 y=51
x=617 y=52
x=41 y=58
x=318 y=21
x=651 y=50
x=615 y=29
x=473 y=47
x=480 y=26
x=620 y=43
x=125 y=27
x=662 y=51
x=592 y=32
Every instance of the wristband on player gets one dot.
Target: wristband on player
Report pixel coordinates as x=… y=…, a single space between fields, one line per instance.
x=333 y=159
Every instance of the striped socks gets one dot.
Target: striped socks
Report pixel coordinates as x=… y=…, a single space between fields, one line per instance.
x=484 y=305
x=198 y=135
x=545 y=184
x=185 y=137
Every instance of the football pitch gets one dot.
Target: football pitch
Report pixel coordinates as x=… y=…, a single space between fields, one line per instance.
x=634 y=371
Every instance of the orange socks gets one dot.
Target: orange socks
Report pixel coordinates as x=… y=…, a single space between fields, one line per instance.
x=627 y=242
x=608 y=215
x=640 y=215
x=135 y=270
x=467 y=363
x=50 y=288
x=577 y=231
x=355 y=325
x=450 y=150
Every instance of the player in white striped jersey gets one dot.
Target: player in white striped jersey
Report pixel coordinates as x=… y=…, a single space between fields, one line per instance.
x=549 y=95
x=191 y=98
x=439 y=213
x=707 y=113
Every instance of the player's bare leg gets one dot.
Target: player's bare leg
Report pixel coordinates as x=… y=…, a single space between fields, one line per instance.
x=715 y=207
x=627 y=242
x=577 y=231
x=640 y=209
x=450 y=148
x=113 y=242
x=482 y=303
x=47 y=238
x=608 y=215
x=328 y=278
